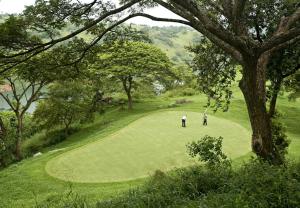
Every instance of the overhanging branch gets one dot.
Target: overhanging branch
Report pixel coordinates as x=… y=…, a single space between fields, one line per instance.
x=91 y=24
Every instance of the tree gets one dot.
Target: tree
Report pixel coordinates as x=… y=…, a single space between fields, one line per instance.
x=215 y=71
x=27 y=80
x=250 y=31
x=131 y=63
x=28 y=90
x=282 y=70
x=67 y=102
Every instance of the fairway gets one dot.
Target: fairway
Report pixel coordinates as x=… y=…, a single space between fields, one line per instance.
x=156 y=141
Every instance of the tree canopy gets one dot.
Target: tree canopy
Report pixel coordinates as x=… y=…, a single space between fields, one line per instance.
x=131 y=64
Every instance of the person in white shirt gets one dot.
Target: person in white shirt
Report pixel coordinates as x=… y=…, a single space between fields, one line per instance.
x=183 y=121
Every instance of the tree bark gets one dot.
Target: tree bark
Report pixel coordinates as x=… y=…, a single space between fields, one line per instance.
x=19 y=137
x=2 y=136
x=128 y=90
x=254 y=91
x=2 y=129
x=129 y=100
x=66 y=131
x=67 y=122
x=274 y=96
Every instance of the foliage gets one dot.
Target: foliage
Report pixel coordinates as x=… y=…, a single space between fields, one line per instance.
x=283 y=73
x=184 y=77
x=8 y=142
x=255 y=184
x=260 y=185
x=208 y=149
x=215 y=72
x=69 y=199
x=293 y=86
x=181 y=91
x=67 y=102
x=280 y=139
x=44 y=139
x=127 y=33
x=14 y=34
x=131 y=64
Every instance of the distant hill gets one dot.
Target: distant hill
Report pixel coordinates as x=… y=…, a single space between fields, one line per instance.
x=173 y=40
x=170 y=39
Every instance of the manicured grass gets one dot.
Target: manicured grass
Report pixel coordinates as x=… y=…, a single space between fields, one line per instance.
x=22 y=184
x=154 y=142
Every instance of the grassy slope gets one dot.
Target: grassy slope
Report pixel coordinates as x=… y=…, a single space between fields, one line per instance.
x=22 y=182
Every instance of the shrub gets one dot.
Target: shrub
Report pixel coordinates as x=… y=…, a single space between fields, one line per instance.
x=8 y=141
x=255 y=184
x=209 y=150
x=44 y=139
x=172 y=105
x=181 y=92
x=182 y=101
x=188 y=92
x=280 y=139
x=258 y=184
x=70 y=199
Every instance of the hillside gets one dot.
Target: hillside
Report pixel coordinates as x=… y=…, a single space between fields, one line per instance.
x=170 y=39
x=173 y=40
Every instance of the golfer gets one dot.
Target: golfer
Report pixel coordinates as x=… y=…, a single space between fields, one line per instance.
x=204 y=119
x=183 y=121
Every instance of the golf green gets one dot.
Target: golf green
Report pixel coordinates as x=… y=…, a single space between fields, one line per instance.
x=156 y=141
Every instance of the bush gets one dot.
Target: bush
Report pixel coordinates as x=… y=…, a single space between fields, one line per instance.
x=44 y=139
x=255 y=184
x=183 y=101
x=8 y=142
x=181 y=92
x=280 y=139
x=70 y=199
x=188 y=92
x=258 y=184
x=170 y=190
x=209 y=150
x=172 y=105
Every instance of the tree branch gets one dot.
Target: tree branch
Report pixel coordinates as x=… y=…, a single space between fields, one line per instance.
x=91 y=24
x=8 y=101
x=280 y=41
x=33 y=96
x=194 y=23
x=215 y=28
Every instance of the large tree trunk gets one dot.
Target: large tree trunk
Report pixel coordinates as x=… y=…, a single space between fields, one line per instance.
x=19 y=137
x=274 y=96
x=254 y=91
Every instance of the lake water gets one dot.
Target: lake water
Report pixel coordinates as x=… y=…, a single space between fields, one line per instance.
x=4 y=105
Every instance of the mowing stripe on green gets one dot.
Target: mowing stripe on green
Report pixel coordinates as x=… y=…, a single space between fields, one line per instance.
x=153 y=142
